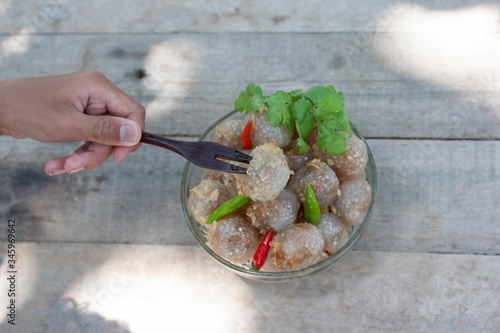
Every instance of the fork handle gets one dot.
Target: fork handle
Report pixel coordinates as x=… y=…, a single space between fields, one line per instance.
x=163 y=142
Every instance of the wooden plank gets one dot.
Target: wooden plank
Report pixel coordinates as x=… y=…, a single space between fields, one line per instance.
x=149 y=16
x=137 y=201
x=192 y=79
x=79 y=206
x=438 y=195
x=433 y=196
x=96 y=287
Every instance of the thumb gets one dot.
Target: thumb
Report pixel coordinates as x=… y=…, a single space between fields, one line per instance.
x=113 y=131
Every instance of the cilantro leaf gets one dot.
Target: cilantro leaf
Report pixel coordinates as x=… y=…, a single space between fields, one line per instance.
x=302 y=145
x=340 y=122
x=315 y=93
x=330 y=103
x=331 y=120
x=250 y=99
x=330 y=140
x=279 y=109
x=296 y=94
x=304 y=119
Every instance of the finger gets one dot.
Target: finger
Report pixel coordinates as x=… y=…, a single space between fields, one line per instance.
x=107 y=130
x=116 y=101
x=120 y=153
x=89 y=156
x=55 y=166
x=128 y=108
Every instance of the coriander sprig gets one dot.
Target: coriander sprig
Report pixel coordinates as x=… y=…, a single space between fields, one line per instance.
x=298 y=110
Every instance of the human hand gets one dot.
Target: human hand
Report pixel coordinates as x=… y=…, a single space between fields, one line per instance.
x=73 y=107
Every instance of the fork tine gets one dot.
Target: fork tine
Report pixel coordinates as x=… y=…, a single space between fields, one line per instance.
x=227 y=153
x=220 y=165
x=234 y=155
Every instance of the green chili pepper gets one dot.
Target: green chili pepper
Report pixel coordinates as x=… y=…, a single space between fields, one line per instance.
x=311 y=207
x=228 y=207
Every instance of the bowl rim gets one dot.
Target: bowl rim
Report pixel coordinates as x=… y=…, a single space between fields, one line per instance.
x=314 y=268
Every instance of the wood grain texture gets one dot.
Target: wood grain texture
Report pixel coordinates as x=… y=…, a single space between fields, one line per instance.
x=187 y=80
x=107 y=250
x=134 y=201
x=114 y=288
x=440 y=196
x=433 y=196
x=150 y=16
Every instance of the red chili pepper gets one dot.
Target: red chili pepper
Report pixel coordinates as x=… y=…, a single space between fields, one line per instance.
x=246 y=142
x=260 y=255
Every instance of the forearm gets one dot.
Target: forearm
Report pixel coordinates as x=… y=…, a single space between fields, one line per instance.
x=40 y=108
x=4 y=108
x=8 y=111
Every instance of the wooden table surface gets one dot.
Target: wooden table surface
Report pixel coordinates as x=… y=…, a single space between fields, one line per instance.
x=107 y=250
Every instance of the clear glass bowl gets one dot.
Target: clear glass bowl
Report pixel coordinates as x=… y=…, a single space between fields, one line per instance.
x=192 y=176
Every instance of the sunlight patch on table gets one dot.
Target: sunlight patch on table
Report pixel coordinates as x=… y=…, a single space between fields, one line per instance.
x=151 y=295
x=407 y=17
x=15 y=45
x=457 y=49
x=170 y=67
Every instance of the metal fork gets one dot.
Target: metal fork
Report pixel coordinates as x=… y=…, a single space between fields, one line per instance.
x=203 y=154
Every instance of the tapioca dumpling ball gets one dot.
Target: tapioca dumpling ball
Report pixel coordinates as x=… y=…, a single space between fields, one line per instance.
x=233 y=238
x=214 y=175
x=267 y=173
x=263 y=132
x=296 y=160
x=228 y=133
x=269 y=265
x=352 y=163
x=274 y=214
x=205 y=198
x=230 y=182
x=322 y=179
x=333 y=230
x=354 y=201
x=297 y=246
